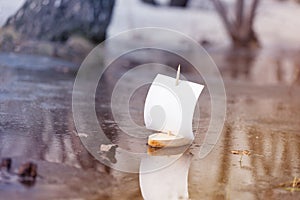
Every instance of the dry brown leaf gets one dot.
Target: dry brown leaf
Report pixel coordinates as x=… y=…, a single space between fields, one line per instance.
x=241 y=152
x=291 y=184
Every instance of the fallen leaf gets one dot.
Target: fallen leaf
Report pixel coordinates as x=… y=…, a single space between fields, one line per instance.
x=107 y=147
x=295 y=184
x=241 y=152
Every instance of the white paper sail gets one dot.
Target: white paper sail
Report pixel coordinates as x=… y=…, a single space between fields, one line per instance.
x=170 y=107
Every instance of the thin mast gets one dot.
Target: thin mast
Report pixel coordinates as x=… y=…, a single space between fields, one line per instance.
x=178 y=75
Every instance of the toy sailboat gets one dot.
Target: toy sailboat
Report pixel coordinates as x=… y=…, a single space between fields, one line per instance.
x=169 y=109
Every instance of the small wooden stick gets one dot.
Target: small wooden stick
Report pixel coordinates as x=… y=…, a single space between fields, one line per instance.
x=178 y=75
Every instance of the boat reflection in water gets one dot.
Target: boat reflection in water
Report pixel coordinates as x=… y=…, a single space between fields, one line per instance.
x=169 y=182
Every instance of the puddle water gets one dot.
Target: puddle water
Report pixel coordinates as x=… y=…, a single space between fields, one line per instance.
x=263 y=113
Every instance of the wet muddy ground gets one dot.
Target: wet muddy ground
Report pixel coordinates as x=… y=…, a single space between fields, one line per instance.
x=263 y=113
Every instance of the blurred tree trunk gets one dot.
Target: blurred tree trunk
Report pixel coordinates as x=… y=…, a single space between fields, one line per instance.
x=240 y=28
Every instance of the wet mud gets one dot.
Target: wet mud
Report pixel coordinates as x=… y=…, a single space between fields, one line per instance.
x=263 y=114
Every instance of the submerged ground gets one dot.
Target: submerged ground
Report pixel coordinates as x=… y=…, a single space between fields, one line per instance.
x=263 y=113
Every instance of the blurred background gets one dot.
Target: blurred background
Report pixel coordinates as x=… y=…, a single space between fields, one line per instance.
x=275 y=21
